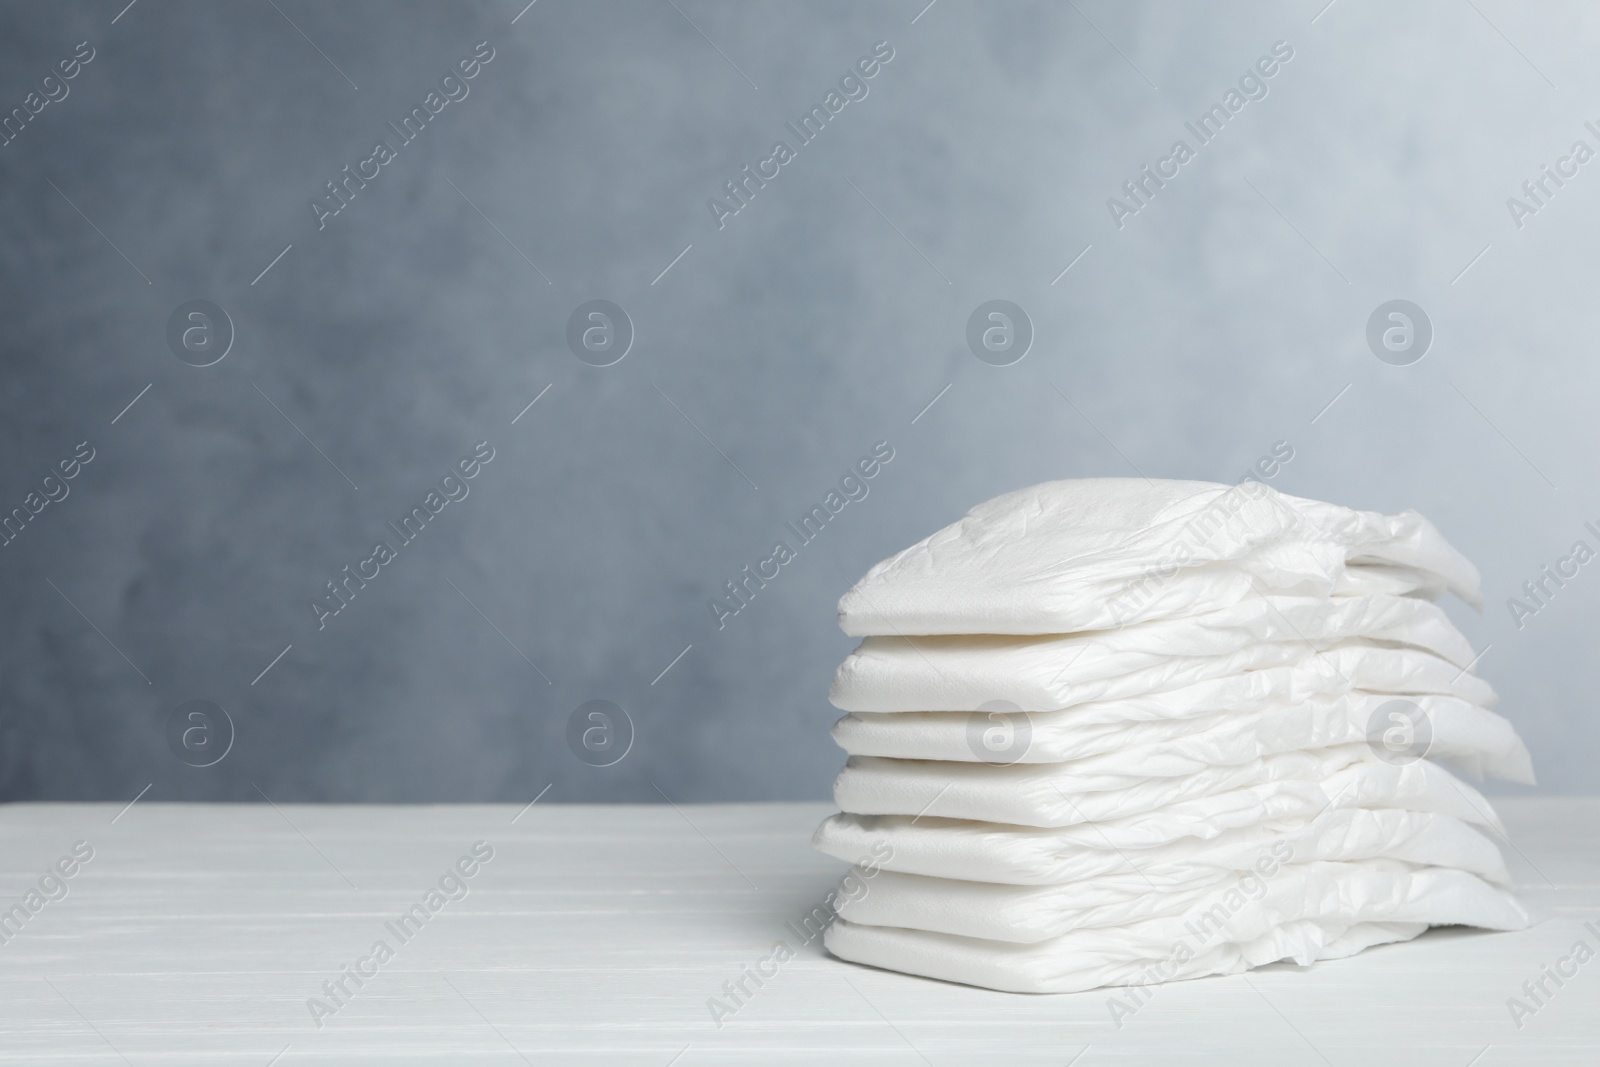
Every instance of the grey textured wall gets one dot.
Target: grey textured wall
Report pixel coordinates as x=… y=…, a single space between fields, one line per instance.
x=1225 y=315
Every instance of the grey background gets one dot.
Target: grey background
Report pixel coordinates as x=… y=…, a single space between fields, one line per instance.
x=1219 y=320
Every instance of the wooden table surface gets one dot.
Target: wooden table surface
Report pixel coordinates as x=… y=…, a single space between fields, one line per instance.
x=210 y=934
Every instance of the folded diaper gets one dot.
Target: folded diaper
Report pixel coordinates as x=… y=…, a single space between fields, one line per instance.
x=1095 y=554
x=1306 y=675
x=1113 y=732
x=1019 y=855
x=1306 y=913
x=1050 y=794
x=1033 y=913
x=962 y=673
x=1462 y=734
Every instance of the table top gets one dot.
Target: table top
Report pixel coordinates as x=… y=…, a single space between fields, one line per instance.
x=249 y=934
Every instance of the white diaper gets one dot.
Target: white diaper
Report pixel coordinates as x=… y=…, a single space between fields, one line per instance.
x=1306 y=913
x=1463 y=735
x=1099 y=553
x=1020 y=855
x=963 y=673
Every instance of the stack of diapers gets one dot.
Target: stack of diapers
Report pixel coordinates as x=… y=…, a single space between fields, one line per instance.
x=1115 y=732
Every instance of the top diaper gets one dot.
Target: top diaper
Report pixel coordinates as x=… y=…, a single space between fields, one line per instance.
x=1100 y=553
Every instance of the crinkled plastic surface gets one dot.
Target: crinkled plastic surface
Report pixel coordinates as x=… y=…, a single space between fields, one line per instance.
x=1099 y=553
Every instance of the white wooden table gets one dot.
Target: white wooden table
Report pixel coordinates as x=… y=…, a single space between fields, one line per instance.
x=596 y=934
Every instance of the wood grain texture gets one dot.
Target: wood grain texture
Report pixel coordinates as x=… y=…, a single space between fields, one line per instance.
x=596 y=934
